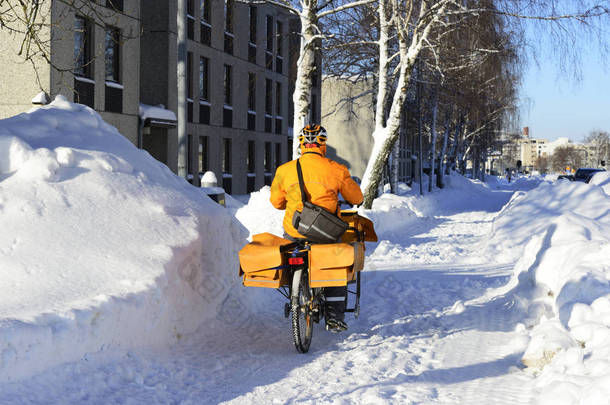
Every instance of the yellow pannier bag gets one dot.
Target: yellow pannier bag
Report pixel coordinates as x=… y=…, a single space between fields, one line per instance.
x=261 y=262
x=335 y=264
x=356 y=222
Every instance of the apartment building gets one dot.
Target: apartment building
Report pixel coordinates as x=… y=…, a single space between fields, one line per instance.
x=94 y=60
x=238 y=98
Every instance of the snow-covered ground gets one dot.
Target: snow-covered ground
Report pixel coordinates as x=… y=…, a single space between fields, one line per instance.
x=121 y=287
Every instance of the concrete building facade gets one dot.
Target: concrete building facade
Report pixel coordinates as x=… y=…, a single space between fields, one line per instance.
x=238 y=97
x=348 y=114
x=94 y=52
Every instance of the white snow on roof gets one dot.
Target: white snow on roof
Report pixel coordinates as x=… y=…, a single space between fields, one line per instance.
x=156 y=113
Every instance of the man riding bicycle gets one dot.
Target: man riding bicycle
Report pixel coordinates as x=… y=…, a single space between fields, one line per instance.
x=324 y=179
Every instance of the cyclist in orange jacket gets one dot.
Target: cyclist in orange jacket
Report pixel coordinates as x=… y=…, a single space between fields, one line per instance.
x=324 y=179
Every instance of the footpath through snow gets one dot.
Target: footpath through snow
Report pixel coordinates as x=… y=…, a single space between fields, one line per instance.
x=124 y=288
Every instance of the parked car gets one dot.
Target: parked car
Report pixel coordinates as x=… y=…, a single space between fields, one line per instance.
x=565 y=177
x=584 y=174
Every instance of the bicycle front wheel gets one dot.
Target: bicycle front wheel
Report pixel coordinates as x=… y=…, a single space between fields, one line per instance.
x=302 y=321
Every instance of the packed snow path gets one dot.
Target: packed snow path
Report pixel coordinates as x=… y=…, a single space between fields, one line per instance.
x=434 y=328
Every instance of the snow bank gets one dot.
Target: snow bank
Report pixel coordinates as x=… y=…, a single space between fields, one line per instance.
x=102 y=248
x=561 y=235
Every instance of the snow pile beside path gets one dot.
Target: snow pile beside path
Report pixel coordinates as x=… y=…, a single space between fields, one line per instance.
x=562 y=282
x=259 y=216
x=102 y=248
x=601 y=179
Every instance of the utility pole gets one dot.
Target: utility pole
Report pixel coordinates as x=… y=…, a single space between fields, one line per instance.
x=181 y=69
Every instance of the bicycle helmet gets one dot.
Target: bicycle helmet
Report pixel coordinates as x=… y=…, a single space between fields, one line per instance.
x=312 y=135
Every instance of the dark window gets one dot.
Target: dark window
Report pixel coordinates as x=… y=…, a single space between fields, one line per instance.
x=204 y=113
x=82 y=47
x=251 y=101
x=278 y=99
x=113 y=98
x=115 y=4
x=189 y=75
x=268 y=60
x=251 y=53
x=205 y=8
x=279 y=64
x=84 y=92
x=227 y=184
x=190 y=19
x=228 y=83
x=228 y=16
x=228 y=45
x=269 y=38
x=268 y=96
x=267 y=161
x=112 y=54
x=280 y=38
x=253 y=24
x=205 y=36
x=189 y=110
x=278 y=125
x=204 y=79
x=251 y=186
x=252 y=92
x=251 y=121
x=227 y=117
x=226 y=156
x=251 y=157
x=278 y=154
x=203 y=154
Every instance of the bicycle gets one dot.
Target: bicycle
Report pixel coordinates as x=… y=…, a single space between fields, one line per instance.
x=301 y=270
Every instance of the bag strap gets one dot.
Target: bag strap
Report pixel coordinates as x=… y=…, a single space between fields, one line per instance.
x=301 y=182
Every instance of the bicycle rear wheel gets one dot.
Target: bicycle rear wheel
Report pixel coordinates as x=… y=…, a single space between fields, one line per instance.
x=302 y=320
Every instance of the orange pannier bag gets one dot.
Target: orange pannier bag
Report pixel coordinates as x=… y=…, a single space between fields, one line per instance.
x=262 y=264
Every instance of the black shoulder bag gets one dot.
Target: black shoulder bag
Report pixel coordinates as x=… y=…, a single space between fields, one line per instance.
x=314 y=222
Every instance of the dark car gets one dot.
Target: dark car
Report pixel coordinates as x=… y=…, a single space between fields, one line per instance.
x=565 y=177
x=584 y=174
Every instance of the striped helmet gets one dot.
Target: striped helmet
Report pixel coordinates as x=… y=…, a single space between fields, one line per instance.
x=313 y=134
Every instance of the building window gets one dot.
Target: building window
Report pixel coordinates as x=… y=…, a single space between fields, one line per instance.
x=115 y=4
x=227 y=111
x=279 y=59
x=203 y=155
x=84 y=87
x=278 y=155
x=205 y=35
x=268 y=104
x=112 y=54
x=82 y=47
x=251 y=157
x=269 y=43
x=253 y=29
x=228 y=77
x=226 y=166
x=190 y=19
x=251 y=101
x=204 y=86
x=228 y=14
x=278 y=108
x=113 y=94
x=267 y=163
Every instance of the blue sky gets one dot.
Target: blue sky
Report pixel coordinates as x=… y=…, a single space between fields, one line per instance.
x=554 y=104
x=560 y=106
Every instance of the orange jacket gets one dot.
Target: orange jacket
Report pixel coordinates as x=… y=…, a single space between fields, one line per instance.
x=324 y=179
